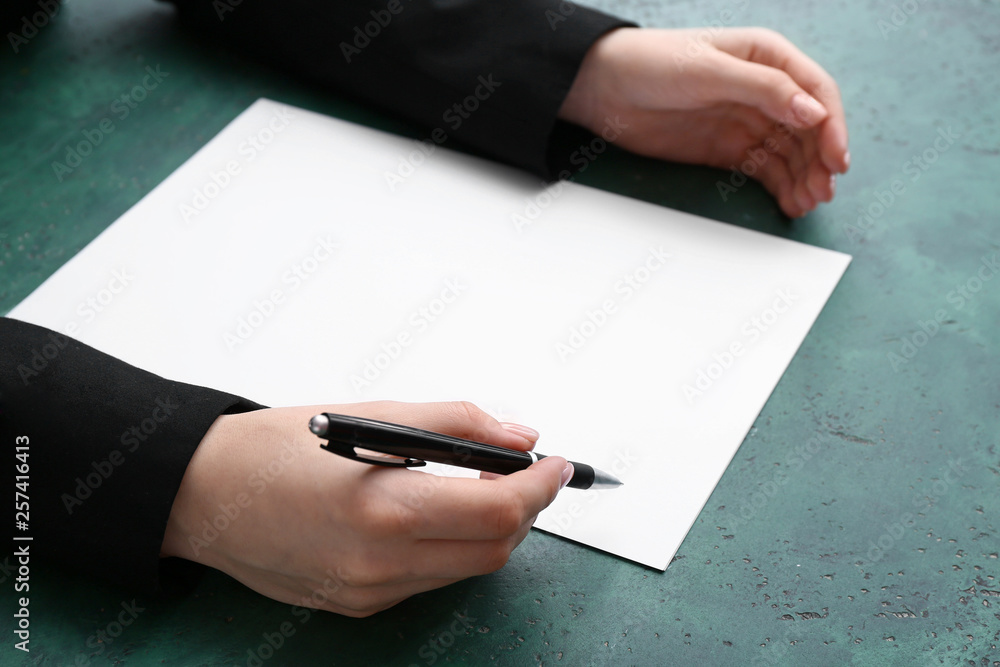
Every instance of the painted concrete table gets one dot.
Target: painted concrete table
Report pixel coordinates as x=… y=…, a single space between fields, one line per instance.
x=858 y=523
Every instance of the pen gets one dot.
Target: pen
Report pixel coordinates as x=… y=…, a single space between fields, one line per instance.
x=400 y=446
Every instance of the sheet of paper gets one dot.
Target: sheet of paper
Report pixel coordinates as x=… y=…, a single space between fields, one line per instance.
x=300 y=259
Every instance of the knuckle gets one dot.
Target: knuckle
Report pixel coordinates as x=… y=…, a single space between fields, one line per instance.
x=405 y=522
x=777 y=81
x=361 y=603
x=359 y=575
x=467 y=411
x=508 y=513
x=768 y=35
x=496 y=557
x=471 y=419
x=401 y=521
x=378 y=516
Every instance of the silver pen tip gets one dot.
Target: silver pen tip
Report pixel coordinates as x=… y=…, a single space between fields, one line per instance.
x=605 y=480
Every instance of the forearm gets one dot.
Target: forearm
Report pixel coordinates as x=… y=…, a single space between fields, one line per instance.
x=108 y=447
x=506 y=65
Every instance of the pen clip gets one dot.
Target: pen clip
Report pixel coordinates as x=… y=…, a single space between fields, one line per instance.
x=348 y=451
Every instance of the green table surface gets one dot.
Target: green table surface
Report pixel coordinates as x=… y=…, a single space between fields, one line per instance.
x=836 y=536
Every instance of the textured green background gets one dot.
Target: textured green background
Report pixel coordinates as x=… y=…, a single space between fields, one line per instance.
x=770 y=573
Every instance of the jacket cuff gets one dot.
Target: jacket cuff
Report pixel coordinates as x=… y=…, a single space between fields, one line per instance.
x=109 y=445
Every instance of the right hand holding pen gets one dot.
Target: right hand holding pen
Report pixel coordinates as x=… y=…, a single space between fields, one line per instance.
x=321 y=531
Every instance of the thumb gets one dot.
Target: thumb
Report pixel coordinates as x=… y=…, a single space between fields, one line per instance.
x=768 y=89
x=540 y=483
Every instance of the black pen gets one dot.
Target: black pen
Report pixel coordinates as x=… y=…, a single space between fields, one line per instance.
x=400 y=446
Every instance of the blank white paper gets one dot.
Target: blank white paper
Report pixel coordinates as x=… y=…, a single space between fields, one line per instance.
x=300 y=259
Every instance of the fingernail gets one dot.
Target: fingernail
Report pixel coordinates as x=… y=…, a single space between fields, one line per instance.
x=567 y=475
x=833 y=184
x=523 y=431
x=847 y=160
x=807 y=108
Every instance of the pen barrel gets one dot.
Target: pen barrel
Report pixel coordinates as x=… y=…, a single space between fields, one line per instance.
x=417 y=445
x=583 y=475
x=408 y=442
x=438 y=448
x=489 y=459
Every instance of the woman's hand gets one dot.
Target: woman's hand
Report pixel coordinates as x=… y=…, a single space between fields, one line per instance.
x=263 y=503
x=719 y=98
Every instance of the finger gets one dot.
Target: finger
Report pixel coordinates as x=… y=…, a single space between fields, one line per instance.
x=363 y=601
x=822 y=184
x=475 y=509
x=529 y=434
x=802 y=197
x=810 y=163
x=465 y=558
x=457 y=418
x=777 y=178
x=771 y=90
x=385 y=578
x=769 y=48
x=833 y=144
x=429 y=560
x=793 y=149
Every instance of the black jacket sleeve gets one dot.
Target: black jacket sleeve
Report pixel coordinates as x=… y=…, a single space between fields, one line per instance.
x=107 y=445
x=488 y=74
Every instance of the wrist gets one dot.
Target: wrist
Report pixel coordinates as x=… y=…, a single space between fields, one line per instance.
x=582 y=103
x=186 y=514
